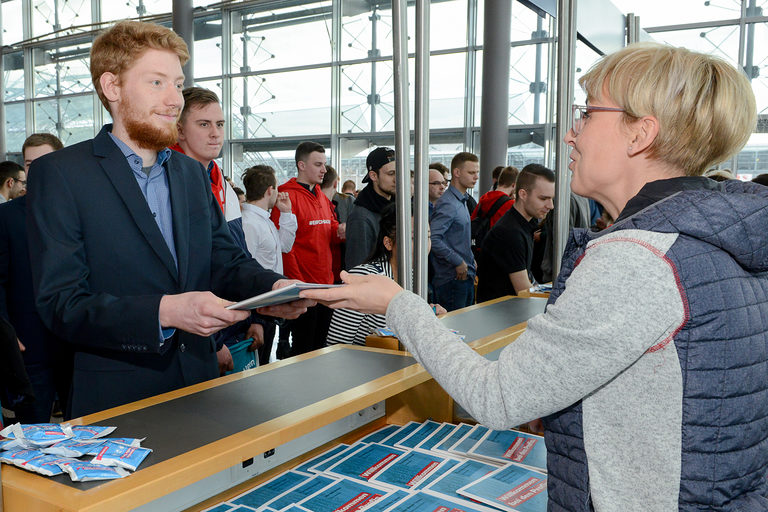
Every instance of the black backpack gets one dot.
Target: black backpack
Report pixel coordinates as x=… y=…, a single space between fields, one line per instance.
x=481 y=225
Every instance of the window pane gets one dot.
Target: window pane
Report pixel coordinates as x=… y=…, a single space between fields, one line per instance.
x=720 y=41
x=47 y=117
x=281 y=104
x=15 y=127
x=71 y=13
x=355 y=89
x=654 y=13
x=76 y=119
x=13 y=76
x=111 y=10
x=67 y=65
x=283 y=38
x=12 y=22
x=446 y=90
x=207 y=48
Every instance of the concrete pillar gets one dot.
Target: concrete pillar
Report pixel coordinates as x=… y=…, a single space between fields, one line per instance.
x=494 y=124
x=184 y=25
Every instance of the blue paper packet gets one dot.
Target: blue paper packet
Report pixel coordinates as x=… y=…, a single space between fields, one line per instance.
x=47 y=465
x=80 y=471
x=37 y=434
x=73 y=447
x=86 y=432
x=117 y=454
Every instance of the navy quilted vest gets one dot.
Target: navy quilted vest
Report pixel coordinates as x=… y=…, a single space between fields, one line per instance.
x=721 y=257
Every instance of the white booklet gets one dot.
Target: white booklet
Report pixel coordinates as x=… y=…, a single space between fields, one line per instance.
x=282 y=295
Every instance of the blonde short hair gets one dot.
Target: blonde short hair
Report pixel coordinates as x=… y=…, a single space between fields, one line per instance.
x=705 y=107
x=115 y=50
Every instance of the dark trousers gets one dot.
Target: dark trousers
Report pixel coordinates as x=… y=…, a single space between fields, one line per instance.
x=456 y=294
x=46 y=383
x=269 y=338
x=310 y=330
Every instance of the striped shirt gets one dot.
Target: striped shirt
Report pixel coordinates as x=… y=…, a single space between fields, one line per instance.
x=349 y=326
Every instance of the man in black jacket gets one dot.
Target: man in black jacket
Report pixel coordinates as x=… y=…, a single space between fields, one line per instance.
x=363 y=221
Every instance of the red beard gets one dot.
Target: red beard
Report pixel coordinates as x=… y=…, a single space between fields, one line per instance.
x=146 y=134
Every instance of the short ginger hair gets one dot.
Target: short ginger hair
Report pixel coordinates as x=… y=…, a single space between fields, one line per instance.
x=115 y=50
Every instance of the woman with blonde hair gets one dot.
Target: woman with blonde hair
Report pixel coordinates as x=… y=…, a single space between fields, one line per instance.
x=661 y=404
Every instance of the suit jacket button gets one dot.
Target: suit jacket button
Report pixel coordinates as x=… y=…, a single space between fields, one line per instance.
x=182 y=347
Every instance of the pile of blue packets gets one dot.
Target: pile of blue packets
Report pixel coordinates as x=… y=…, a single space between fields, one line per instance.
x=83 y=452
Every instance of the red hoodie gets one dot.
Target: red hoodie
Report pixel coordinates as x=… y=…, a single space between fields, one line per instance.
x=310 y=260
x=486 y=203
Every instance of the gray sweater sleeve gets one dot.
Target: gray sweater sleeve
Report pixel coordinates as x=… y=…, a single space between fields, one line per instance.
x=621 y=300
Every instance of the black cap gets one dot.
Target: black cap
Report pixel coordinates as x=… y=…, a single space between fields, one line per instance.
x=377 y=159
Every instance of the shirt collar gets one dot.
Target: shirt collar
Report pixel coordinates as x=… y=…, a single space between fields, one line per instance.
x=162 y=156
x=256 y=209
x=461 y=197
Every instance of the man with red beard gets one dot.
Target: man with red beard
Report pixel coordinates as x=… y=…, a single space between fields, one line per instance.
x=125 y=233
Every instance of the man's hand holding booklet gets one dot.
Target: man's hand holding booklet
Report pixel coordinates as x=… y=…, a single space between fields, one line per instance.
x=280 y=295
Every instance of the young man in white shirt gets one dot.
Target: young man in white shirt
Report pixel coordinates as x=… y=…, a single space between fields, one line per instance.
x=265 y=242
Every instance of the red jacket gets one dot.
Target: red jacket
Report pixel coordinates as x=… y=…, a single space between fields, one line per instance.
x=487 y=201
x=310 y=259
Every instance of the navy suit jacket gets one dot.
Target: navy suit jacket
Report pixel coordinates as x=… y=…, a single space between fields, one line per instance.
x=17 y=302
x=100 y=267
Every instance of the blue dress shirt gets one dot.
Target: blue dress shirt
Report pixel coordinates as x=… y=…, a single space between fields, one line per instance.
x=154 y=187
x=451 y=237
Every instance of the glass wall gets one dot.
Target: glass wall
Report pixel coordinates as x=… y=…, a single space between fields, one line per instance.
x=285 y=77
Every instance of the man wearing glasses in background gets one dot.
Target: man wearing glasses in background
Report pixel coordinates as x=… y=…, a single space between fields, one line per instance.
x=13 y=181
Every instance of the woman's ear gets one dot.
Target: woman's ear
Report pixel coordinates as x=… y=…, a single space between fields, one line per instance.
x=388 y=243
x=643 y=131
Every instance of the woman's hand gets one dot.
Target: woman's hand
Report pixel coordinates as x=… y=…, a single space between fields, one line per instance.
x=367 y=294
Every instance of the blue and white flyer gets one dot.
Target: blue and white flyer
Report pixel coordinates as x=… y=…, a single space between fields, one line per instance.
x=344 y=496
x=387 y=501
x=460 y=431
x=381 y=434
x=468 y=442
x=307 y=466
x=365 y=463
x=269 y=490
x=426 y=502
x=512 y=446
x=401 y=433
x=418 y=435
x=464 y=474
x=437 y=473
x=408 y=470
x=436 y=437
x=512 y=488
x=301 y=491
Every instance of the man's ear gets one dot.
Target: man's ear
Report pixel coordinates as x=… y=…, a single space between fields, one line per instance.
x=373 y=176
x=110 y=86
x=643 y=132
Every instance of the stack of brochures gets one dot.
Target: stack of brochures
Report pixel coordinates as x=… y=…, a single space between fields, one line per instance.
x=419 y=467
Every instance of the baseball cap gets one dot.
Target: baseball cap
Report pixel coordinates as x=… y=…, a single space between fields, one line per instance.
x=377 y=159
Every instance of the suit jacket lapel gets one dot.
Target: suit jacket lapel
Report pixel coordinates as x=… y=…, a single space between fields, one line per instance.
x=180 y=206
x=116 y=168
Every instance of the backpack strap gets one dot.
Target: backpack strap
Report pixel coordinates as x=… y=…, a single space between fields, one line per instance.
x=496 y=206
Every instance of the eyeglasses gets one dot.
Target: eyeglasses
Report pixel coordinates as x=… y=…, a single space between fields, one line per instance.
x=441 y=183
x=23 y=182
x=580 y=113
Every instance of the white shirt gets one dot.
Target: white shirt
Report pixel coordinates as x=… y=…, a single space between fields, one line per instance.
x=265 y=242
